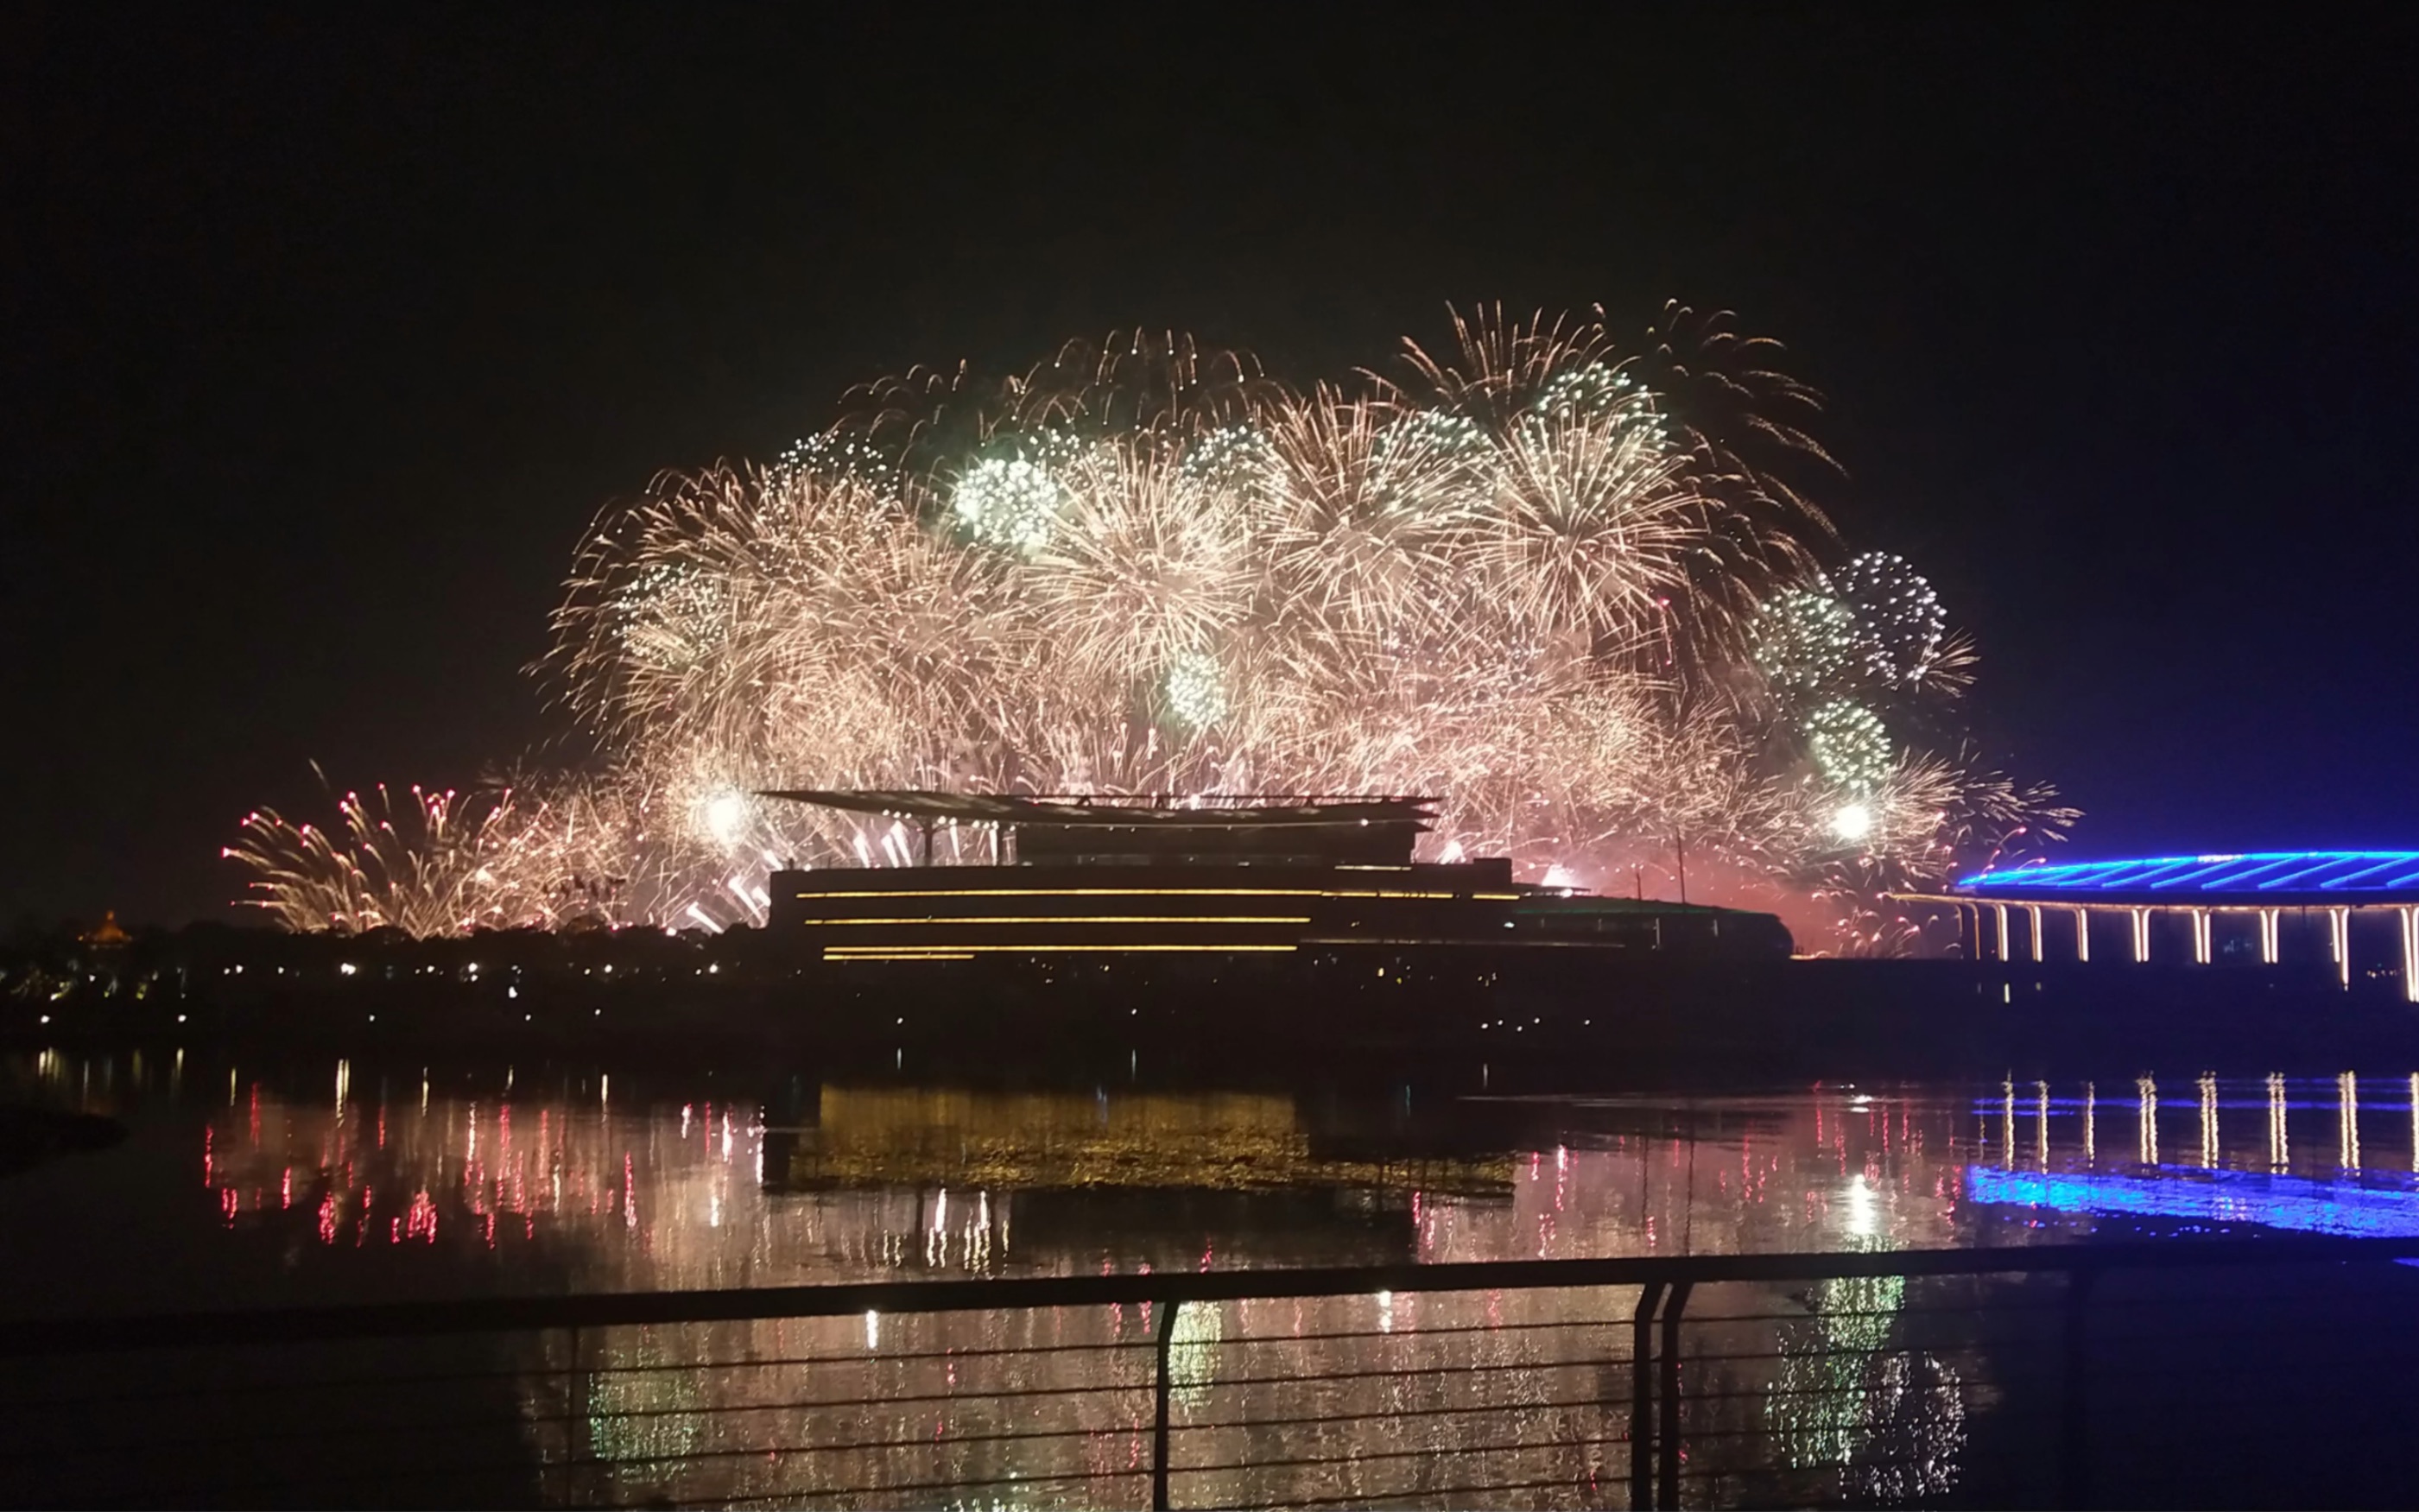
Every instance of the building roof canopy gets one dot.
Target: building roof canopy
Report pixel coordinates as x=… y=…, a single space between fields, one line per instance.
x=1157 y=812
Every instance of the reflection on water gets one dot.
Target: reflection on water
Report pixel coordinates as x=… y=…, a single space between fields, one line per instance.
x=2234 y=1179
x=248 y=1186
x=508 y=1180
x=1890 y=1422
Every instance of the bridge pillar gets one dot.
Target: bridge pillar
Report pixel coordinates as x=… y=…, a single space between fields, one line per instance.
x=2268 y=932
x=2339 y=944
x=2141 y=935
x=2082 y=933
x=2410 y=954
x=2001 y=910
x=2032 y=918
x=2200 y=935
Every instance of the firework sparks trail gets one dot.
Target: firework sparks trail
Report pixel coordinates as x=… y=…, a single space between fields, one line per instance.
x=1564 y=587
x=434 y=864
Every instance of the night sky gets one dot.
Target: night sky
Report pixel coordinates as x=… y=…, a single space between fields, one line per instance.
x=325 y=342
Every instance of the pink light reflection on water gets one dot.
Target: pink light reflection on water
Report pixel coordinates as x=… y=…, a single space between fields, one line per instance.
x=1170 y=1182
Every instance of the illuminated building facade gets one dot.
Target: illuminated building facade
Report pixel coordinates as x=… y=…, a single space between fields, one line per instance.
x=1226 y=877
x=2269 y=908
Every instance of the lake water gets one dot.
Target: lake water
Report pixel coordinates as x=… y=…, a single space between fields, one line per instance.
x=277 y=1183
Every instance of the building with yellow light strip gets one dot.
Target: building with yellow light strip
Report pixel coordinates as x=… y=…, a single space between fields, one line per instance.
x=1079 y=878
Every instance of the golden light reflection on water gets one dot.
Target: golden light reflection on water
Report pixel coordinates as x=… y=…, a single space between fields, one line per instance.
x=516 y=1181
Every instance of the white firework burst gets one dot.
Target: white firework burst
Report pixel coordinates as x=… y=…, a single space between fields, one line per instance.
x=1527 y=581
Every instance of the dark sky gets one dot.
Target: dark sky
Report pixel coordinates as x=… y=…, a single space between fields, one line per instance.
x=324 y=342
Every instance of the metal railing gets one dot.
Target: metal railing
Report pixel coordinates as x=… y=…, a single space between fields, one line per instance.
x=1899 y=1376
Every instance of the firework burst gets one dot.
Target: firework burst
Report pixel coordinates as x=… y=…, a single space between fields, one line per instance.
x=1560 y=585
x=436 y=864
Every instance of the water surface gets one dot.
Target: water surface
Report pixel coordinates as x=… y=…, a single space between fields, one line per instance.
x=276 y=1184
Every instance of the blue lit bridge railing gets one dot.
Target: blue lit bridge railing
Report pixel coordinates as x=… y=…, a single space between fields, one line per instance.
x=2067 y=1374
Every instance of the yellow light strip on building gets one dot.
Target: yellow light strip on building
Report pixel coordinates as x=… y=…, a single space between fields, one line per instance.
x=876 y=952
x=1060 y=918
x=1529 y=942
x=901 y=955
x=1157 y=892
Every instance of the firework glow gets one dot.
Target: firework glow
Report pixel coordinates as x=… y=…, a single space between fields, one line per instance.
x=1571 y=587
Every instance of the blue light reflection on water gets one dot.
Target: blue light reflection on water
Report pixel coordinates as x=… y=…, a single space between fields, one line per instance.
x=2287 y=1202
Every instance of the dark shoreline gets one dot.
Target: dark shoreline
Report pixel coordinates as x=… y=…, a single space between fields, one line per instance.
x=1719 y=1025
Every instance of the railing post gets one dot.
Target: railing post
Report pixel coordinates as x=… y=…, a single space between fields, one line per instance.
x=1159 y=1420
x=579 y=1442
x=2075 y=1445
x=1641 y=1395
x=1667 y=1443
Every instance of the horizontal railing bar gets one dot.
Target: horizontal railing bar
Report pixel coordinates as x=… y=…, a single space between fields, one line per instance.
x=2273 y=1367
x=55 y=1449
x=264 y=1388
x=970 y=1399
x=1998 y=1416
x=2218 y=1329
x=2022 y=1460
x=976 y=1400
x=759 y=1451
x=1136 y=1346
x=1910 y=1310
x=1862 y=1467
x=2100 y=1344
x=1418 y=1332
x=52 y=1335
x=807 y=1496
x=1142 y=1347
x=221 y=1490
x=970 y=1393
x=737 y=1409
x=2231 y=1438
x=2017 y=1454
x=539 y=1372
x=1132 y=1428
x=1555 y=1446
x=1133 y=1346
x=389 y=1428
x=914 y=1486
x=322 y=1385
x=1360 y=1497
x=1753 y=1393
x=1841 y=1352
x=1389 y=1415
x=1397 y=1373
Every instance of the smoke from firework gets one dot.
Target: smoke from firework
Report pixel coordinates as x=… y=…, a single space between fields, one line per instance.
x=1567 y=589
